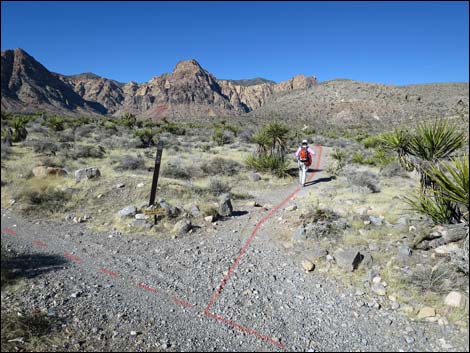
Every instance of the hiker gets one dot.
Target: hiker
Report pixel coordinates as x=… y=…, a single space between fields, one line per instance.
x=304 y=154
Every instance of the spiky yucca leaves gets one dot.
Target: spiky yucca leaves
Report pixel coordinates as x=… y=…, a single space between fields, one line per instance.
x=272 y=147
x=453 y=181
x=399 y=141
x=432 y=204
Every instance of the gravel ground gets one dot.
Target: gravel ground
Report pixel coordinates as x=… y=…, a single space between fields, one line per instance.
x=134 y=293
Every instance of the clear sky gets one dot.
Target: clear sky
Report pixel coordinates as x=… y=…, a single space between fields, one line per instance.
x=386 y=42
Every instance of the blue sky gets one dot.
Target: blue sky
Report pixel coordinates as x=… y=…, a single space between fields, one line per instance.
x=386 y=42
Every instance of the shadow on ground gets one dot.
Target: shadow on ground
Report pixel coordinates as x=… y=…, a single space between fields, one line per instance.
x=294 y=172
x=15 y=267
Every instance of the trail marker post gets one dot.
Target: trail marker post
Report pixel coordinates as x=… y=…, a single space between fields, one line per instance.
x=156 y=171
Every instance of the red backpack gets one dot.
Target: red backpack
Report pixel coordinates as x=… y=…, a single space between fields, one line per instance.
x=304 y=155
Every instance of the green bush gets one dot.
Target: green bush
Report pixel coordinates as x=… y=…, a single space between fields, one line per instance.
x=268 y=163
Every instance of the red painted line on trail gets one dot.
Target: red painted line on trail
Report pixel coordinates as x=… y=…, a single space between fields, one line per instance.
x=253 y=233
x=72 y=257
x=146 y=287
x=182 y=302
x=8 y=230
x=245 y=329
x=108 y=272
x=39 y=243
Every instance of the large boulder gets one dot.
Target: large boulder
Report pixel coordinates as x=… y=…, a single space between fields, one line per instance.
x=183 y=226
x=87 y=173
x=225 y=205
x=129 y=211
x=348 y=259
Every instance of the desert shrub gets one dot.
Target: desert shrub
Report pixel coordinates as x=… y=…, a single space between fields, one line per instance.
x=52 y=162
x=128 y=162
x=42 y=196
x=37 y=128
x=217 y=187
x=18 y=124
x=55 y=123
x=268 y=163
x=86 y=151
x=365 y=179
x=66 y=136
x=393 y=169
x=372 y=141
x=84 y=131
x=128 y=120
x=146 y=136
x=173 y=128
x=439 y=279
x=221 y=137
x=220 y=166
x=40 y=146
x=175 y=170
x=246 y=135
x=118 y=142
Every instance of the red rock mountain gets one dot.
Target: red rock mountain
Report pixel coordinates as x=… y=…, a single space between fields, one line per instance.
x=187 y=91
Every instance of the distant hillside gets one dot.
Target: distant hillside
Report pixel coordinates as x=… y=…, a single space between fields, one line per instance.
x=347 y=103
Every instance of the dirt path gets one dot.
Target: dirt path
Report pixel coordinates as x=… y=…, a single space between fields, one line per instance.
x=232 y=288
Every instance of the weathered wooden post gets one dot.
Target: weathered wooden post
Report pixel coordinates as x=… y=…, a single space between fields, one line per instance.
x=156 y=171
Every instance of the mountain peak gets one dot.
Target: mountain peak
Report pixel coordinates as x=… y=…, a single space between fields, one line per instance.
x=187 y=65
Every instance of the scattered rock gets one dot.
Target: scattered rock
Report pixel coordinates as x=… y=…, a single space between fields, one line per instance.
x=141 y=216
x=225 y=205
x=129 y=211
x=308 y=265
x=348 y=259
x=183 y=226
x=194 y=210
x=255 y=177
x=140 y=185
x=363 y=210
x=291 y=208
x=210 y=219
x=376 y=279
x=87 y=173
x=453 y=299
x=267 y=206
x=404 y=251
x=299 y=234
x=377 y=221
x=426 y=311
x=447 y=249
x=120 y=186
x=378 y=288
x=408 y=309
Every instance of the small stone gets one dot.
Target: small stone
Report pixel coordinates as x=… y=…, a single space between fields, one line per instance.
x=395 y=306
x=225 y=205
x=378 y=288
x=99 y=196
x=209 y=219
x=120 y=186
x=442 y=321
x=267 y=206
x=140 y=185
x=376 y=279
x=75 y=295
x=404 y=250
x=453 y=299
x=128 y=211
x=409 y=339
x=133 y=333
x=255 y=177
x=291 y=208
x=426 y=312
x=377 y=221
x=308 y=265
x=392 y=298
x=141 y=216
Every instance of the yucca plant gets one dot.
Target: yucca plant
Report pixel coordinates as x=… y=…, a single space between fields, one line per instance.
x=18 y=125
x=453 y=181
x=399 y=141
x=433 y=205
